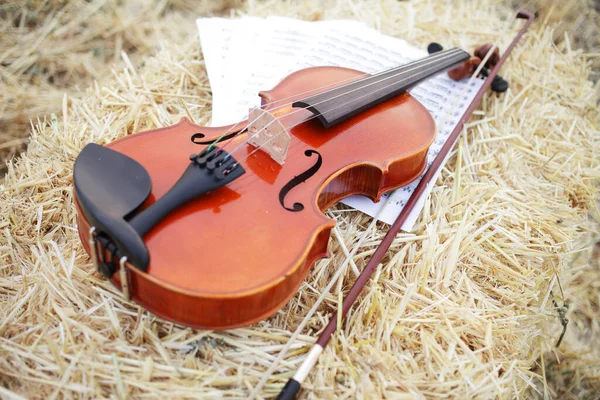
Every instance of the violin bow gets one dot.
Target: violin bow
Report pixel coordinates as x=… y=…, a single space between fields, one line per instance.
x=294 y=384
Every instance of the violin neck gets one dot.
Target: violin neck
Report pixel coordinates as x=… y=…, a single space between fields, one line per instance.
x=338 y=104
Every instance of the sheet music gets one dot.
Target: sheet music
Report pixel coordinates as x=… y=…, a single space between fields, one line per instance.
x=264 y=63
x=216 y=35
x=266 y=52
x=247 y=55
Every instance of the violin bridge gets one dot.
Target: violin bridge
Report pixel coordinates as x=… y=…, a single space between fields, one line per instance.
x=267 y=133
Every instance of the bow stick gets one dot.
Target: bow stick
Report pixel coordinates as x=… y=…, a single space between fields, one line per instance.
x=293 y=385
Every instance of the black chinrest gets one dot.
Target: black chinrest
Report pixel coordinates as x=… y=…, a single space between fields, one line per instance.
x=111 y=186
x=110 y=181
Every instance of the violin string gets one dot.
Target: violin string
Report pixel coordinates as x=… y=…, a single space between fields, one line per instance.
x=292 y=155
x=320 y=114
x=355 y=78
x=359 y=78
x=365 y=76
x=414 y=65
x=239 y=146
x=294 y=146
x=447 y=55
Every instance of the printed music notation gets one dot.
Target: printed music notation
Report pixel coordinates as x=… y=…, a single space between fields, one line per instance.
x=256 y=53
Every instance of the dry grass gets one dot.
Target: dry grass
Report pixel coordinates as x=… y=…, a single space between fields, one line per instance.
x=577 y=20
x=462 y=307
x=51 y=47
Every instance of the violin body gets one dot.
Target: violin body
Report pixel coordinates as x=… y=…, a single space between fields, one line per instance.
x=237 y=254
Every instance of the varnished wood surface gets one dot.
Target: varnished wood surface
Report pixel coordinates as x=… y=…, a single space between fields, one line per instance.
x=235 y=256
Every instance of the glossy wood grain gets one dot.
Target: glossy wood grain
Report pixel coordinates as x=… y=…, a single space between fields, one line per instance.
x=236 y=255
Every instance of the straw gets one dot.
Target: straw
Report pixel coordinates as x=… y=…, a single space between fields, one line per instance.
x=464 y=306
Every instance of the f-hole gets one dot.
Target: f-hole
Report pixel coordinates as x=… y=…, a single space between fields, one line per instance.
x=295 y=181
x=199 y=135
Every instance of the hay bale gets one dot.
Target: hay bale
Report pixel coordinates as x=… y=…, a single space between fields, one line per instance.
x=461 y=307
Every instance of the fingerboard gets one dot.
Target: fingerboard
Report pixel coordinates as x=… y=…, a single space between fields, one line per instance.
x=338 y=104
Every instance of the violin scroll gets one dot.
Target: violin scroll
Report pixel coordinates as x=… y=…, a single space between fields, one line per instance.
x=482 y=51
x=467 y=68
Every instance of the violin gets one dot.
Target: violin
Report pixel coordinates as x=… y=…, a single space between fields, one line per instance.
x=216 y=227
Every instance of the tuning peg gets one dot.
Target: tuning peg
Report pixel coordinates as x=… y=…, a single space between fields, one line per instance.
x=434 y=47
x=499 y=84
x=465 y=69
x=482 y=51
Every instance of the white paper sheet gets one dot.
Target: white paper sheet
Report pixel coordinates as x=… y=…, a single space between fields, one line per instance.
x=247 y=55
